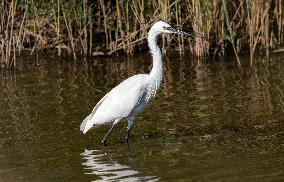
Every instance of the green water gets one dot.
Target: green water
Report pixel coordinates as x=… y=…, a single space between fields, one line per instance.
x=209 y=122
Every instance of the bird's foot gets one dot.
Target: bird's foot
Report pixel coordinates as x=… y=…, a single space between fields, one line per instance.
x=126 y=140
x=104 y=142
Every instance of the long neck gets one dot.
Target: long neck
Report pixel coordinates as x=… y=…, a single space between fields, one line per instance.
x=157 y=69
x=156 y=74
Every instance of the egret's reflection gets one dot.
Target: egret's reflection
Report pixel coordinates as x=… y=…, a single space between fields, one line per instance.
x=103 y=166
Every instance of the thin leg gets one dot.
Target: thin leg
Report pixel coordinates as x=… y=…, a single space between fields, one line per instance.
x=129 y=126
x=108 y=133
x=128 y=149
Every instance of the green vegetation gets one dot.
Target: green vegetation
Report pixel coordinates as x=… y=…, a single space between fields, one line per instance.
x=84 y=27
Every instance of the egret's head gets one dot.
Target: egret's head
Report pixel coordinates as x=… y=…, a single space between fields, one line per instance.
x=162 y=27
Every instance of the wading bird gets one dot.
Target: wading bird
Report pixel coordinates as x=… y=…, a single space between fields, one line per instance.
x=131 y=96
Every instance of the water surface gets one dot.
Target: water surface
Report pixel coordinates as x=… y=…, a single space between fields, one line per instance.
x=211 y=121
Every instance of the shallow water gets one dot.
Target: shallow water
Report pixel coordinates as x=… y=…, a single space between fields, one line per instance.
x=210 y=121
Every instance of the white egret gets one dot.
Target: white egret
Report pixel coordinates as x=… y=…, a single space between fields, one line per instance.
x=131 y=96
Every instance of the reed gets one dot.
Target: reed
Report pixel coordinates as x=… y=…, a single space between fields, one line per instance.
x=91 y=28
x=232 y=32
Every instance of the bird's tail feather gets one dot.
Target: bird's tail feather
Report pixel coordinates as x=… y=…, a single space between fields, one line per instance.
x=84 y=125
x=87 y=124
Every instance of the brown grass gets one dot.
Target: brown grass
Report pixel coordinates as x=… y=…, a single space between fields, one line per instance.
x=86 y=27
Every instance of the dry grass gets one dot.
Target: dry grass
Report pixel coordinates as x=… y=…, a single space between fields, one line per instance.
x=84 y=27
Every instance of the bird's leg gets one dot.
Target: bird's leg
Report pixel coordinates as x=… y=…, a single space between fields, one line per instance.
x=129 y=126
x=127 y=134
x=108 y=133
x=128 y=149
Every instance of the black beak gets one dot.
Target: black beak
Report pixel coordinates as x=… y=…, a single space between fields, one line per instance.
x=173 y=30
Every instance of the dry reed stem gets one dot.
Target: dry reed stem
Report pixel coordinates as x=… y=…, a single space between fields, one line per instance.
x=83 y=27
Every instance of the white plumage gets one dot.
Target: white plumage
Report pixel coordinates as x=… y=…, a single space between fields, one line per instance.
x=131 y=96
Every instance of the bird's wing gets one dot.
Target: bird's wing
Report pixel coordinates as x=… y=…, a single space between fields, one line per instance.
x=83 y=124
x=118 y=103
x=98 y=105
x=123 y=98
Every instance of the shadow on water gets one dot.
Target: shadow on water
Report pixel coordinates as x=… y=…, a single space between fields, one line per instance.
x=210 y=121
